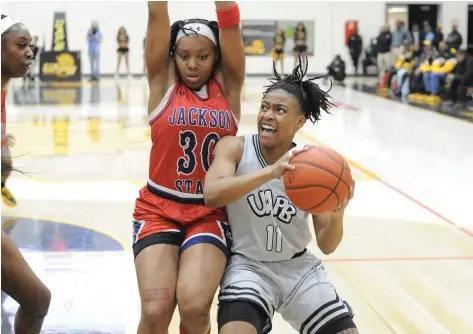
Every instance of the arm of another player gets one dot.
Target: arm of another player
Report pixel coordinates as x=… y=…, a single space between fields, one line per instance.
x=222 y=187
x=233 y=54
x=328 y=226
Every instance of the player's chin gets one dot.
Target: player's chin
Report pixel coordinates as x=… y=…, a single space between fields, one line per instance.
x=268 y=139
x=21 y=71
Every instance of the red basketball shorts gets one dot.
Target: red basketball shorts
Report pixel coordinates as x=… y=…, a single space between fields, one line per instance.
x=161 y=221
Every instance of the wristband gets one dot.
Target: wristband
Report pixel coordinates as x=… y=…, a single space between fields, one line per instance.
x=228 y=17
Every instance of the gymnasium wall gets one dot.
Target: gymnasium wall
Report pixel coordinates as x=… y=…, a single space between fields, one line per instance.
x=329 y=20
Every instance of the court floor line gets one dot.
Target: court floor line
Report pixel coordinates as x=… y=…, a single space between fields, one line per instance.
x=390 y=186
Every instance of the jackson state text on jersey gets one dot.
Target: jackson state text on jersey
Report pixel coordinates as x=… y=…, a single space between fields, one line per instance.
x=184 y=129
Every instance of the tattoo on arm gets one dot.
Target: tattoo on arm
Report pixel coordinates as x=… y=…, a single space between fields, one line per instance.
x=150 y=295
x=349 y=331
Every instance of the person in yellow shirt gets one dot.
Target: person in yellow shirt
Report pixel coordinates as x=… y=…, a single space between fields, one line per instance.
x=441 y=66
x=403 y=68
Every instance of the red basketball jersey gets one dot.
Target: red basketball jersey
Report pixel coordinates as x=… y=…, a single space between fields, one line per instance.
x=4 y=118
x=184 y=130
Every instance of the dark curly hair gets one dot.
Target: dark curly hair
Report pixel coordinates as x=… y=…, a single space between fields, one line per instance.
x=312 y=99
x=213 y=25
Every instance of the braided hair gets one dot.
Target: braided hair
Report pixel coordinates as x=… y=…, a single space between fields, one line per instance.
x=312 y=99
x=178 y=25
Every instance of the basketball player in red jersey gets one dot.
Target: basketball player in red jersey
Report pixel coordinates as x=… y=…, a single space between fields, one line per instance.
x=18 y=280
x=196 y=72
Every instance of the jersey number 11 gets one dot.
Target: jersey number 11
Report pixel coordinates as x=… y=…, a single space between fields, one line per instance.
x=273 y=238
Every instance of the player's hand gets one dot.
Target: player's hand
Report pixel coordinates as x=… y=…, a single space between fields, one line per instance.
x=280 y=166
x=10 y=140
x=344 y=204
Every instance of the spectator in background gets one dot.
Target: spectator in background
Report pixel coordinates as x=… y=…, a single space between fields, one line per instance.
x=300 y=44
x=454 y=39
x=336 y=69
x=438 y=36
x=370 y=56
x=443 y=64
x=94 y=38
x=122 y=51
x=398 y=38
x=279 y=41
x=460 y=79
x=426 y=33
x=403 y=69
x=415 y=37
x=355 y=46
x=383 y=50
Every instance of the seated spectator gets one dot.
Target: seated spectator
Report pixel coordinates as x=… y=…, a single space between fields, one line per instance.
x=442 y=65
x=421 y=66
x=403 y=70
x=370 y=56
x=459 y=80
x=336 y=69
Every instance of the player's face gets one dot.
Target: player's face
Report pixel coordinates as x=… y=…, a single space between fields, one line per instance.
x=195 y=58
x=279 y=118
x=16 y=52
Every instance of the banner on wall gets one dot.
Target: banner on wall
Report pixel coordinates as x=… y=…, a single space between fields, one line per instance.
x=258 y=35
x=59 y=40
x=60 y=66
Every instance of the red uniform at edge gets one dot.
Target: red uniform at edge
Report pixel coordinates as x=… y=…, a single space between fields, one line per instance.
x=4 y=118
x=184 y=129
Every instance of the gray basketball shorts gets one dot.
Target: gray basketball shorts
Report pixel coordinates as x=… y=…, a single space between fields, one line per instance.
x=298 y=289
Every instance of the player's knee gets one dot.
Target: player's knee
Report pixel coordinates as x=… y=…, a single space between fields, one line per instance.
x=37 y=302
x=193 y=306
x=156 y=317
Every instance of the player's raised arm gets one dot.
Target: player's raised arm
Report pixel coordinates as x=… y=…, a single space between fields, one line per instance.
x=232 y=52
x=157 y=55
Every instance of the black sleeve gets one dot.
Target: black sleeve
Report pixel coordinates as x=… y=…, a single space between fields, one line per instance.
x=468 y=75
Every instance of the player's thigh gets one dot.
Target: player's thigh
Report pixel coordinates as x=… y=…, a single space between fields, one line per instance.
x=20 y=282
x=315 y=304
x=204 y=255
x=247 y=281
x=156 y=243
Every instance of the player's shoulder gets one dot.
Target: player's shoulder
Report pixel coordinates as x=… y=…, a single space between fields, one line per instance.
x=230 y=145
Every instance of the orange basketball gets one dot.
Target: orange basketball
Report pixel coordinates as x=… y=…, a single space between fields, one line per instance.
x=320 y=182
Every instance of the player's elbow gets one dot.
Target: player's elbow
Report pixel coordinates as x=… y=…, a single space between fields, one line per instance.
x=211 y=196
x=328 y=246
x=328 y=249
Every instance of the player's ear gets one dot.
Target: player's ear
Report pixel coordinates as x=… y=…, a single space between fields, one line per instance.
x=300 y=122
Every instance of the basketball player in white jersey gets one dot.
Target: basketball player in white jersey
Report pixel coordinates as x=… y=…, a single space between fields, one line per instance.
x=271 y=270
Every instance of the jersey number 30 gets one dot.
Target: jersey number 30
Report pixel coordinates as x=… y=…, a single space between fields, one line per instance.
x=186 y=165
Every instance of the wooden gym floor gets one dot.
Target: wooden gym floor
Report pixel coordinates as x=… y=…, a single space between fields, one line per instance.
x=406 y=261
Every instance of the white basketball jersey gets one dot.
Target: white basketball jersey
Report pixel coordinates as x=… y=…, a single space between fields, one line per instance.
x=265 y=225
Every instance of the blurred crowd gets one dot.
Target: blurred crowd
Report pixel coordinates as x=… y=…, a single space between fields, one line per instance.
x=421 y=65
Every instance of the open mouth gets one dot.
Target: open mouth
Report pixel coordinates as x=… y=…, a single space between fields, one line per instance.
x=267 y=129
